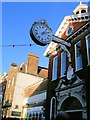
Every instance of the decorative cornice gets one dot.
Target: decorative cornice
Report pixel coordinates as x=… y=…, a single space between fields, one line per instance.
x=77 y=33
x=82 y=17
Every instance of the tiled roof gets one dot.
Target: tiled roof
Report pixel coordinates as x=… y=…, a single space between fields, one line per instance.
x=43 y=73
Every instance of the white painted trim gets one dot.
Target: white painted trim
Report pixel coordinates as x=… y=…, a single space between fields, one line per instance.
x=51 y=108
x=53 y=71
x=72 y=27
x=26 y=68
x=13 y=79
x=79 y=7
x=76 y=69
x=88 y=54
x=78 y=110
x=61 y=63
x=73 y=95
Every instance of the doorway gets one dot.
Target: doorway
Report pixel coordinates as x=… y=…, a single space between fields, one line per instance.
x=73 y=107
x=75 y=114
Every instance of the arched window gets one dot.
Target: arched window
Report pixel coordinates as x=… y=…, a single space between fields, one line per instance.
x=77 y=12
x=71 y=103
x=73 y=107
x=83 y=11
x=53 y=108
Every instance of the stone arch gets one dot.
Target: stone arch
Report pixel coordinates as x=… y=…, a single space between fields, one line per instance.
x=70 y=103
x=79 y=98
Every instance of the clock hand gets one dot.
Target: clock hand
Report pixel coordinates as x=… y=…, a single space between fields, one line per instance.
x=44 y=32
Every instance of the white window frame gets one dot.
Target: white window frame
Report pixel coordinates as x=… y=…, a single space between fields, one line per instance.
x=87 y=48
x=76 y=62
x=8 y=83
x=55 y=68
x=70 y=27
x=13 y=80
x=51 y=108
x=61 y=73
x=10 y=96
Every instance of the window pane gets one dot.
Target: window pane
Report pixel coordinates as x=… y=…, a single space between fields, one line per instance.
x=63 y=63
x=78 y=55
x=8 y=83
x=13 y=81
x=54 y=71
x=88 y=48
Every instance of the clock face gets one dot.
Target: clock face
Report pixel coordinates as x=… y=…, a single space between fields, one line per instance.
x=41 y=34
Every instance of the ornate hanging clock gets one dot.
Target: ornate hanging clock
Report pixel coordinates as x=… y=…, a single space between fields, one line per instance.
x=41 y=33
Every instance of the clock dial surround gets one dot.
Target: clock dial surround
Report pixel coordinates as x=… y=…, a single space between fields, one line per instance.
x=41 y=34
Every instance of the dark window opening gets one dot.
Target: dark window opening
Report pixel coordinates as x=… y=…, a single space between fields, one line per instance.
x=83 y=11
x=77 y=12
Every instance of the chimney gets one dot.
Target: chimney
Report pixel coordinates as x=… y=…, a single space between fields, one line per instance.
x=32 y=65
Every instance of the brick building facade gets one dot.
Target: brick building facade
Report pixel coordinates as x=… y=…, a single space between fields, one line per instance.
x=18 y=79
x=69 y=67
x=34 y=104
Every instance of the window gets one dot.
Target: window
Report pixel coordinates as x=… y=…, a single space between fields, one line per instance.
x=0 y=98
x=88 y=48
x=78 y=56
x=54 y=71
x=69 y=31
x=83 y=11
x=53 y=108
x=63 y=64
x=77 y=12
x=13 y=81
x=6 y=98
x=8 y=83
x=10 y=95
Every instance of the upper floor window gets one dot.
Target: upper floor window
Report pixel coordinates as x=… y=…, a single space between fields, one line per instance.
x=13 y=81
x=88 y=48
x=54 y=71
x=10 y=96
x=63 y=64
x=78 y=56
x=83 y=11
x=8 y=83
x=77 y=12
x=69 y=30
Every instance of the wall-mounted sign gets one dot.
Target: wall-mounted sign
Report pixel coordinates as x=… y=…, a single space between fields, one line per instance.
x=16 y=113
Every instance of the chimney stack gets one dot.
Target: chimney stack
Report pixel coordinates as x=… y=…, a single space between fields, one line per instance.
x=32 y=65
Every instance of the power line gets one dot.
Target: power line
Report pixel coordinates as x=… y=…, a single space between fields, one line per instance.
x=17 y=45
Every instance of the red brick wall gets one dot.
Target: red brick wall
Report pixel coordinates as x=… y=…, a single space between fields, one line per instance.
x=32 y=65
